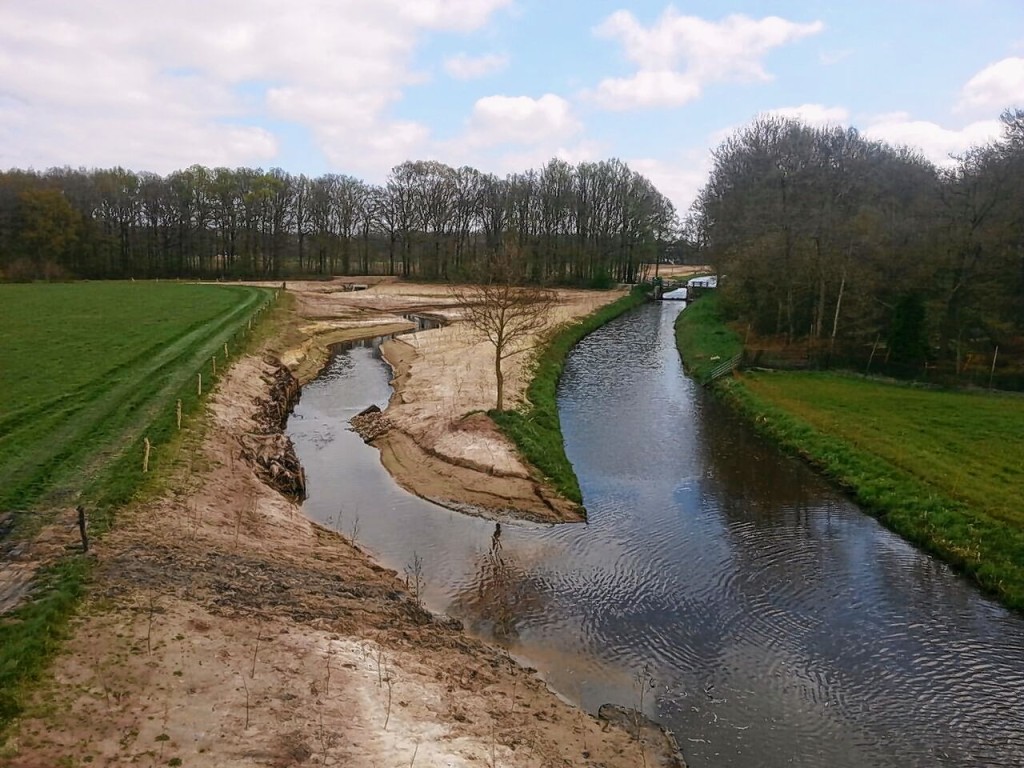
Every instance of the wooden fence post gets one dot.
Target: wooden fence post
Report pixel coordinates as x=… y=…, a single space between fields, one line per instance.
x=872 y=355
x=145 y=458
x=81 y=528
x=199 y=386
x=178 y=410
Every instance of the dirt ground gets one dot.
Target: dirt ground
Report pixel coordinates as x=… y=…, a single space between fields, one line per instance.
x=226 y=629
x=676 y=271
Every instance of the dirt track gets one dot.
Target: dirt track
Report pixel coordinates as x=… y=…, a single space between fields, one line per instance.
x=227 y=629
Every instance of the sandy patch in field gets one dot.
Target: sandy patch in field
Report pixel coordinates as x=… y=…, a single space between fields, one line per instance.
x=669 y=271
x=226 y=629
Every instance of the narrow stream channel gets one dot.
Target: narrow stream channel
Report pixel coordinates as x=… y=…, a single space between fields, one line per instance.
x=779 y=624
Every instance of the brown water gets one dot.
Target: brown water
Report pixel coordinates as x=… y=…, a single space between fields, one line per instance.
x=780 y=625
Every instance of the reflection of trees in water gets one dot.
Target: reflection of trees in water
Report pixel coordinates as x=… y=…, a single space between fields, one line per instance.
x=786 y=529
x=778 y=533
x=749 y=477
x=500 y=594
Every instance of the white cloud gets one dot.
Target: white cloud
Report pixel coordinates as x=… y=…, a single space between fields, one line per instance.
x=316 y=107
x=647 y=88
x=995 y=88
x=679 y=178
x=459 y=15
x=521 y=120
x=512 y=134
x=143 y=143
x=813 y=114
x=463 y=67
x=678 y=55
x=933 y=140
x=99 y=84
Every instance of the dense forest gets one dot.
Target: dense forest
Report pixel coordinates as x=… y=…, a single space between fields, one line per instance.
x=590 y=224
x=839 y=245
x=824 y=240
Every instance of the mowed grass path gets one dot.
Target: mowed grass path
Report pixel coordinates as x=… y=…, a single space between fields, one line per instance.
x=87 y=372
x=86 y=368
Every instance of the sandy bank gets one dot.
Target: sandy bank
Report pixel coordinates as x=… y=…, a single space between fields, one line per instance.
x=436 y=443
x=442 y=446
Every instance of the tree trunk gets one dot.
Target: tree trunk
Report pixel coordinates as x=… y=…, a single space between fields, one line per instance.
x=835 y=317
x=499 y=378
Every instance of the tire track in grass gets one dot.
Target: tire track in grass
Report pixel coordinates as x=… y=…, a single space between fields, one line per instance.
x=104 y=427
x=148 y=407
x=88 y=391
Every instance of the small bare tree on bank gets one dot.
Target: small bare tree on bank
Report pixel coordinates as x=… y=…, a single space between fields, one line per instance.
x=504 y=311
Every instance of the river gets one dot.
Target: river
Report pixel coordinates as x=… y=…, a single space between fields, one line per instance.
x=722 y=585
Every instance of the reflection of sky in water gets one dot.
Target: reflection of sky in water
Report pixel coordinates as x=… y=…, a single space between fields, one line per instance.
x=782 y=626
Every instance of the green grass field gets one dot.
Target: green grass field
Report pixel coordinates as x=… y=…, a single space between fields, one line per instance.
x=87 y=368
x=968 y=446
x=706 y=339
x=87 y=372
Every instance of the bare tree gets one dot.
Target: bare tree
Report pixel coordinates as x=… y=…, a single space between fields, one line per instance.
x=507 y=314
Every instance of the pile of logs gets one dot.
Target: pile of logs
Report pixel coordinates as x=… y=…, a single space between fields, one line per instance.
x=284 y=393
x=267 y=448
x=370 y=424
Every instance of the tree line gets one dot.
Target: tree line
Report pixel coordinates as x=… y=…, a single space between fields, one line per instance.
x=855 y=247
x=592 y=223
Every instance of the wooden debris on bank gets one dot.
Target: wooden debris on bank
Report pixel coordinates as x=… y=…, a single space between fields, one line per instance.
x=268 y=450
x=272 y=413
x=370 y=423
x=654 y=736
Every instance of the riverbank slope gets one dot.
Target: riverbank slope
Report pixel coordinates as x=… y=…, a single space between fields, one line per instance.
x=225 y=628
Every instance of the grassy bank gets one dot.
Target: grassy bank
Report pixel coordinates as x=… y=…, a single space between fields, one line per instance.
x=535 y=429
x=943 y=469
x=90 y=371
x=705 y=338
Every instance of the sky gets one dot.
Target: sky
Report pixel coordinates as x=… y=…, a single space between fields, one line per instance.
x=359 y=86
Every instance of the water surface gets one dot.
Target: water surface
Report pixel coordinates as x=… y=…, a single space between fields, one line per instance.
x=768 y=621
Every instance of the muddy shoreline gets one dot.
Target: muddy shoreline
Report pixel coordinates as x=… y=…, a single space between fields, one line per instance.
x=227 y=628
